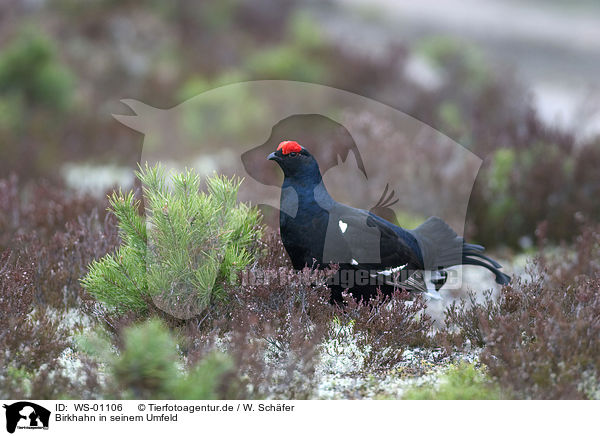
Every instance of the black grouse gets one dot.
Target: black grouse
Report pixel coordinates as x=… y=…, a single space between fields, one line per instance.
x=372 y=253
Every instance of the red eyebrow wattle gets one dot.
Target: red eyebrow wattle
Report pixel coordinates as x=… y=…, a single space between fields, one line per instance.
x=288 y=147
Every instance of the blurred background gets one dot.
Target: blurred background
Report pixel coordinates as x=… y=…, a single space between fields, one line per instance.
x=514 y=82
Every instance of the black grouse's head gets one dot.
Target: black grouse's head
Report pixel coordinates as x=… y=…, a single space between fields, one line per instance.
x=297 y=163
x=327 y=140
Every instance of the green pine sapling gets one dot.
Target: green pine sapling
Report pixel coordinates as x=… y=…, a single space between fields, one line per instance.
x=181 y=254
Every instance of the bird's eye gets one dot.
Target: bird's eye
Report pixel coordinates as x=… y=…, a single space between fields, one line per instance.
x=293 y=154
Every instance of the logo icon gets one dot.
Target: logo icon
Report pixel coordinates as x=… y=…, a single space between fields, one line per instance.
x=26 y=415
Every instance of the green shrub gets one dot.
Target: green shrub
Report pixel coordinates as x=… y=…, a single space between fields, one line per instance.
x=206 y=119
x=286 y=62
x=148 y=362
x=297 y=57
x=456 y=58
x=29 y=69
x=149 y=366
x=180 y=257
x=304 y=32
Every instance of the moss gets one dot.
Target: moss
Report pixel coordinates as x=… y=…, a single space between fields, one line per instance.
x=461 y=382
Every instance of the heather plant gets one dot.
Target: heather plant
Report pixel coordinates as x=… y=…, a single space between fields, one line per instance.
x=548 y=347
x=269 y=360
x=180 y=257
x=51 y=235
x=153 y=359
x=541 y=337
x=464 y=318
x=60 y=261
x=32 y=337
x=58 y=232
x=383 y=327
x=288 y=312
x=41 y=207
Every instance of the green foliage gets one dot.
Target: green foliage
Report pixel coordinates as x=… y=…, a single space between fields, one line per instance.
x=36 y=89
x=451 y=116
x=203 y=381
x=461 y=382
x=11 y=112
x=119 y=279
x=148 y=366
x=502 y=166
x=30 y=71
x=207 y=119
x=286 y=62
x=454 y=57
x=304 y=32
x=197 y=84
x=18 y=379
x=502 y=203
x=190 y=245
x=297 y=58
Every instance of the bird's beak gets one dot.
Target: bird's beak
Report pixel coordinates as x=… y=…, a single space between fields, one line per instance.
x=274 y=157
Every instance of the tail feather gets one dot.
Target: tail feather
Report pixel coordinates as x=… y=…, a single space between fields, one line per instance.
x=501 y=278
x=481 y=256
x=441 y=247
x=473 y=247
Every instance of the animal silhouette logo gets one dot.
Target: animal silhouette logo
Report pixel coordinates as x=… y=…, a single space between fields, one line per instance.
x=26 y=415
x=373 y=157
x=230 y=129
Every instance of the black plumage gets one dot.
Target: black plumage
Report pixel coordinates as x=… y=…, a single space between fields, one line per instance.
x=371 y=252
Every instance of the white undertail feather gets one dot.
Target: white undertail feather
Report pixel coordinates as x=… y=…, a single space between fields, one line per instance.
x=389 y=272
x=432 y=293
